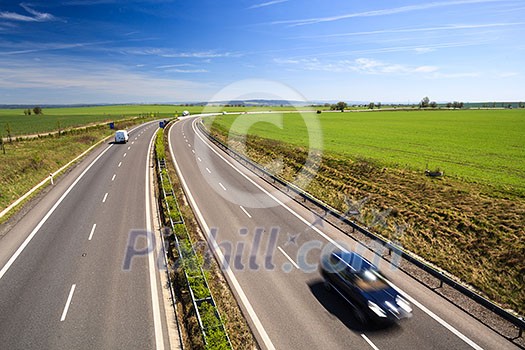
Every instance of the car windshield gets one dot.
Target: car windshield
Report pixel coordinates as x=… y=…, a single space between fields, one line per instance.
x=370 y=280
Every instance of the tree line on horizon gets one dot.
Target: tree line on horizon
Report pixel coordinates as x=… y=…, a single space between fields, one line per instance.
x=424 y=103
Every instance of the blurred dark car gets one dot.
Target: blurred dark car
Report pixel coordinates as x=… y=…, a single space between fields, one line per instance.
x=361 y=284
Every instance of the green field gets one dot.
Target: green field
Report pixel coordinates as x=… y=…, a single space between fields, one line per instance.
x=485 y=146
x=69 y=117
x=21 y=124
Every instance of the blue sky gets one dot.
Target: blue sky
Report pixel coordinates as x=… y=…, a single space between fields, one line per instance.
x=116 y=51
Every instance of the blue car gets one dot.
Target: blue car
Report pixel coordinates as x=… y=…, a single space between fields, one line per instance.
x=362 y=285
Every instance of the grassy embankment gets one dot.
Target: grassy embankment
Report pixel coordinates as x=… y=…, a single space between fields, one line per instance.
x=470 y=223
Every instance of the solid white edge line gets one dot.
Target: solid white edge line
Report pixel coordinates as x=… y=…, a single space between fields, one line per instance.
x=92 y=231
x=288 y=257
x=159 y=335
x=44 y=219
x=105 y=197
x=291 y=211
x=216 y=249
x=68 y=302
x=245 y=211
x=369 y=342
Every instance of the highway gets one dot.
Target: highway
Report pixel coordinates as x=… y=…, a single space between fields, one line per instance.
x=64 y=283
x=272 y=247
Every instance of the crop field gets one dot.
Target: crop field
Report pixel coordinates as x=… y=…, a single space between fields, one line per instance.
x=485 y=146
x=469 y=222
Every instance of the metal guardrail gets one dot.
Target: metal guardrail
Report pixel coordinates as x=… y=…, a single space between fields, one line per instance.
x=517 y=321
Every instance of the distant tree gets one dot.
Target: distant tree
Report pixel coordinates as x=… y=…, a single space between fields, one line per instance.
x=371 y=105
x=341 y=106
x=424 y=102
x=457 y=104
x=38 y=110
x=449 y=105
x=433 y=104
x=379 y=105
x=326 y=105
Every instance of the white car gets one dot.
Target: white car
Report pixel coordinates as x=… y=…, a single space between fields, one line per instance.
x=121 y=136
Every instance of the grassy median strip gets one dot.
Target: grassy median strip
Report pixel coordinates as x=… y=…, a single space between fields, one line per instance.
x=472 y=229
x=196 y=275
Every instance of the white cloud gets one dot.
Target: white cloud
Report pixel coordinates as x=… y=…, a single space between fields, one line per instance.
x=508 y=74
x=22 y=47
x=177 y=70
x=269 y=3
x=422 y=50
x=359 y=65
x=201 y=54
x=76 y=80
x=177 y=54
x=451 y=27
x=383 y=12
x=174 y=65
x=37 y=16
x=439 y=75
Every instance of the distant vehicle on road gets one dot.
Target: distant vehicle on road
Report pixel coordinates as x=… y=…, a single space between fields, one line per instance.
x=185 y=113
x=121 y=136
x=361 y=284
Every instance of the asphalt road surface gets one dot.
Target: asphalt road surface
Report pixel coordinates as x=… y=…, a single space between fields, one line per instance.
x=272 y=247
x=64 y=283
